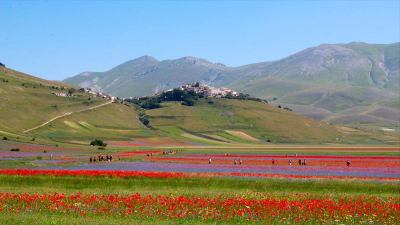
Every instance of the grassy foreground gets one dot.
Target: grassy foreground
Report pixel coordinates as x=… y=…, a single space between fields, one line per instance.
x=191 y=188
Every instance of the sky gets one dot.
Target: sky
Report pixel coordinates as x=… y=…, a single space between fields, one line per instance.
x=58 y=39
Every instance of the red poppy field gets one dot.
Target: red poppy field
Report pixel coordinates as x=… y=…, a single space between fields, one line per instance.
x=296 y=209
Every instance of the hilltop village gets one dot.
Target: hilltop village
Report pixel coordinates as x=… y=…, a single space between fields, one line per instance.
x=208 y=91
x=197 y=88
x=188 y=94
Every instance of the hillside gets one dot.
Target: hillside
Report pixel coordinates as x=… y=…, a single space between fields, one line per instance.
x=230 y=120
x=27 y=102
x=355 y=77
x=30 y=111
x=354 y=64
x=348 y=84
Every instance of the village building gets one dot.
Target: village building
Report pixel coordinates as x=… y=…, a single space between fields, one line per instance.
x=61 y=94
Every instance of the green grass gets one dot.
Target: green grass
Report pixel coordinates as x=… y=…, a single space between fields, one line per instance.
x=196 y=186
x=60 y=219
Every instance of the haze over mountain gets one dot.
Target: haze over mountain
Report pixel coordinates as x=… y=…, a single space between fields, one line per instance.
x=354 y=83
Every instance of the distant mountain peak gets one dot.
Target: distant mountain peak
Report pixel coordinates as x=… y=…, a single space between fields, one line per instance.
x=145 y=58
x=85 y=74
x=193 y=59
x=198 y=61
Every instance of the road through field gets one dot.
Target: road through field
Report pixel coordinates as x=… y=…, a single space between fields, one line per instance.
x=66 y=114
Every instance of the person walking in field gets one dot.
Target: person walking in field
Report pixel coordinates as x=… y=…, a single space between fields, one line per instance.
x=209 y=161
x=234 y=162
x=348 y=163
x=290 y=162
x=299 y=162
x=273 y=161
x=240 y=162
x=90 y=160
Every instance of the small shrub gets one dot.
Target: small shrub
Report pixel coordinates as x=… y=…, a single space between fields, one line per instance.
x=101 y=148
x=188 y=102
x=98 y=142
x=71 y=91
x=145 y=121
x=15 y=149
x=5 y=138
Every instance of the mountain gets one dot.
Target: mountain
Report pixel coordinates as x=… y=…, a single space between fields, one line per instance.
x=354 y=83
x=146 y=75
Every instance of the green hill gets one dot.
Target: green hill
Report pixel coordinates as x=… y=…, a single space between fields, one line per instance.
x=27 y=102
x=230 y=120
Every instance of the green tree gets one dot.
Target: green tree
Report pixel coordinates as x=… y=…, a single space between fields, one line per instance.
x=71 y=91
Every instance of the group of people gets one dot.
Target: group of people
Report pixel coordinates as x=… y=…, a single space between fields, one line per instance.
x=168 y=152
x=100 y=158
x=301 y=162
x=235 y=162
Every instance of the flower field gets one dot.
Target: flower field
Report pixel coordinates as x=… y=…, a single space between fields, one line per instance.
x=90 y=173
x=157 y=185
x=284 y=166
x=296 y=209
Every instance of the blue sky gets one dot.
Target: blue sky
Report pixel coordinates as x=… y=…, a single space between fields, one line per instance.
x=56 y=39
